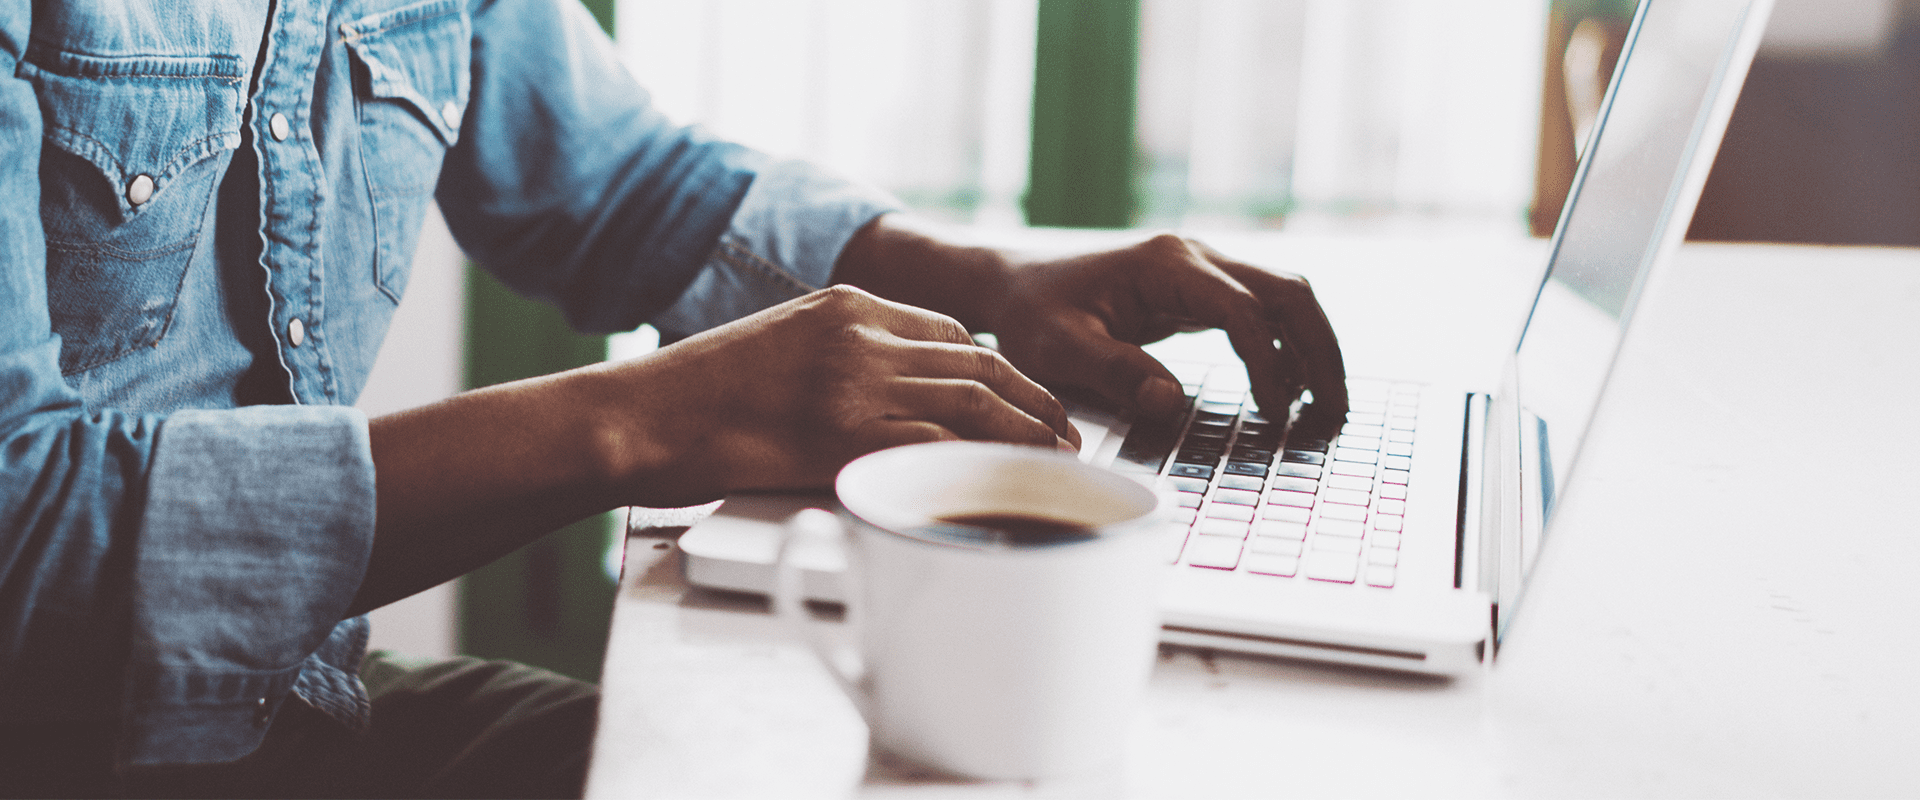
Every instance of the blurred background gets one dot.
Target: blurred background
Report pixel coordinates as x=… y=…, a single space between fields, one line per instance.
x=1353 y=117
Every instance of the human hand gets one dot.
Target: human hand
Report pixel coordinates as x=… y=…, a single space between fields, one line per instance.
x=1079 y=321
x=785 y=397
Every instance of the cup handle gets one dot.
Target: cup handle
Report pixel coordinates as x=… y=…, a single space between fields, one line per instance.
x=814 y=525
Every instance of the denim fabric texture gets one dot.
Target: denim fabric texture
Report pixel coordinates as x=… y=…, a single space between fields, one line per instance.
x=207 y=217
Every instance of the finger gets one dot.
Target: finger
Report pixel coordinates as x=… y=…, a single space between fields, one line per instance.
x=991 y=370
x=969 y=409
x=1292 y=311
x=1120 y=374
x=882 y=433
x=1196 y=288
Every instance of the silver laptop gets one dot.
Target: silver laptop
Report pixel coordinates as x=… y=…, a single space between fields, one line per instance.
x=1404 y=540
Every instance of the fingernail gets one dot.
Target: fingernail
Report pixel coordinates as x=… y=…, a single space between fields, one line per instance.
x=1159 y=396
x=1064 y=445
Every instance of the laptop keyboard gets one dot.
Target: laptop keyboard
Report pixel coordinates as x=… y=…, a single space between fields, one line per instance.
x=1300 y=509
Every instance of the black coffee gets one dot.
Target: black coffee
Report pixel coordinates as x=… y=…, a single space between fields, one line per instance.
x=1022 y=529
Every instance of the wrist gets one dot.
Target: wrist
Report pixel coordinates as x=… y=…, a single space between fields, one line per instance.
x=919 y=263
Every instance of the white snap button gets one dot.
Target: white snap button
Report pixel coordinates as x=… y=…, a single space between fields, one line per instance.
x=296 y=331
x=140 y=190
x=451 y=114
x=277 y=125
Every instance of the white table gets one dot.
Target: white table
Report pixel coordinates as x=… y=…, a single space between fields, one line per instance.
x=1727 y=605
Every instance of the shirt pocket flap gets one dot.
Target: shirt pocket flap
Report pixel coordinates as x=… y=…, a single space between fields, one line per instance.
x=409 y=57
x=139 y=117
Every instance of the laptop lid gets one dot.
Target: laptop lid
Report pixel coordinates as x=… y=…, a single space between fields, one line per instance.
x=1659 y=128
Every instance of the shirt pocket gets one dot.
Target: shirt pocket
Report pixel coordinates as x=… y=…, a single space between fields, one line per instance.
x=134 y=150
x=410 y=91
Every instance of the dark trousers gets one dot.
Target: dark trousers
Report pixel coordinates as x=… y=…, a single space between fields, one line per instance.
x=458 y=728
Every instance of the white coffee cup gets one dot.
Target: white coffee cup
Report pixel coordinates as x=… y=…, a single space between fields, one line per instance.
x=987 y=649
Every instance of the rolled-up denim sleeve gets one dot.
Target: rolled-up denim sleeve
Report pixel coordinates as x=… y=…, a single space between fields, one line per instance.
x=253 y=541
x=569 y=186
x=166 y=577
x=781 y=243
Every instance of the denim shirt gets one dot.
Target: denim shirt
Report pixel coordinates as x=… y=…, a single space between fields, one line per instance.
x=207 y=213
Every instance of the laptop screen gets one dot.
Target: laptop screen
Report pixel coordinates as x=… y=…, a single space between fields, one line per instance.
x=1632 y=197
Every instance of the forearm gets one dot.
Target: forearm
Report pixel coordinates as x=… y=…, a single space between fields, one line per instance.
x=467 y=480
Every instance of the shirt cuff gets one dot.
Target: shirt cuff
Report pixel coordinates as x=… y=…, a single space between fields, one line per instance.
x=256 y=534
x=781 y=243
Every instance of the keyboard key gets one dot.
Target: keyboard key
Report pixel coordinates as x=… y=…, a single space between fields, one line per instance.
x=1282 y=497
x=1363 y=418
x=1396 y=462
x=1236 y=497
x=1388 y=522
x=1223 y=396
x=1273 y=564
x=1257 y=430
x=1383 y=556
x=1340 y=527
x=1187 y=499
x=1395 y=507
x=1352 y=482
x=1235 y=529
x=1245 y=468
x=1215 y=408
x=1293 y=470
x=1223 y=419
x=1201 y=471
x=1243 y=482
x=1334 y=544
x=1274 y=545
x=1401 y=410
x=1352 y=468
x=1367 y=389
x=1349 y=513
x=1281 y=529
x=1308 y=445
x=1186 y=484
x=1176 y=540
x=1356 y=456
x=1258 y=455
x=1296 y=484
x=1146 y=445
x=1400 y=424
x=1358 y=442
x=1213 y=552
x=1366 y=405
x=1393 y=491
x=1335 y=567
x=1183 y=516
x=1209 y=434
x=1303 y=457
x=1386 y=539
x=1201 y=452
x=1345 y=497
x=1398 y=449
x=1403 y=437
x=1380 y=576
x=1398 y=476
x=1229 y=511
x=1278 y=513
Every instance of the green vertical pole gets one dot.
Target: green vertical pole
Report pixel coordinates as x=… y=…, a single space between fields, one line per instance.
x=547 y=604
x=1081 y=173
